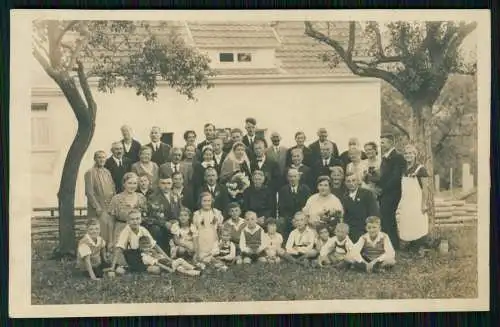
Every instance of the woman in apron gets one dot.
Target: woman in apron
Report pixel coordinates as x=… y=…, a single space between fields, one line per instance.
x=412 y=219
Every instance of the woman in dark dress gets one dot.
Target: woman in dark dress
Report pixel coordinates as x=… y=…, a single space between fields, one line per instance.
x=259 y=198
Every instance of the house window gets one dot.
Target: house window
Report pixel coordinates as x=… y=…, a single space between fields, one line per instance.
x=244 y=57
x=226 y=57
x=40 y=127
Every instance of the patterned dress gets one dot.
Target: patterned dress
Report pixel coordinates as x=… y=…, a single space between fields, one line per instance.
x=119 y=208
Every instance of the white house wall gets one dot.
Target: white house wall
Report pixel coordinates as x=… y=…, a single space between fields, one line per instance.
x=345 y=106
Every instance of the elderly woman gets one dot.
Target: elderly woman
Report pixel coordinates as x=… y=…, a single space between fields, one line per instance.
x=357 y=166
x=352 y=144
x=372 y=163
x=323 y=206
x=207 y=160
x=236 y=161
x=122 y=203
x=412 y=220
x=300 y=139
x=147 y=167
x=100 y=189
x=259 y=198
x=337 y=178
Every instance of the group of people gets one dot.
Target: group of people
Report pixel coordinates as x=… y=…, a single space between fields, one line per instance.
x=232 y=198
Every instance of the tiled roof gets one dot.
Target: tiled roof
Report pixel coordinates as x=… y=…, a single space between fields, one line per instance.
x=241 y=34
x=296 y=53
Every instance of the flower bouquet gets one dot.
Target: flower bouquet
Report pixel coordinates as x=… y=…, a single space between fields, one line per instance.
x=331 y=218
x=155 y=214
x=238 y=184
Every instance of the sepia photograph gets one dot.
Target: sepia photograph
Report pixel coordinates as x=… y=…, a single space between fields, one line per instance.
x=307 y=161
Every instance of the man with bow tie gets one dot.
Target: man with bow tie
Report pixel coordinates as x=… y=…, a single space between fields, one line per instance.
x=118 y=165
x=176 y=165
x=392 y=169
x=359 y=204
x=161 y=151
x=277 y=152
x=268 y=167
x=291 y=199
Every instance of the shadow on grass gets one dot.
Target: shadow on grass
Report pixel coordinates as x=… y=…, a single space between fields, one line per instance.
x=434 y=276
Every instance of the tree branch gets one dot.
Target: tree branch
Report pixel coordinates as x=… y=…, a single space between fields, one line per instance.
x=45 y=64
x=347 y=58
x=460 y=35
x=86 y=88
x=69 y=26
x=399 y=127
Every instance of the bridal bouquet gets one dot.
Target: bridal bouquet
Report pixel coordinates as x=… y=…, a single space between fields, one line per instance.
x=332 y=217
x=238 y=184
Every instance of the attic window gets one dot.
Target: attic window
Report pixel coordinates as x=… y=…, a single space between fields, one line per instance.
x=39 y=106
x=244 y=57
x=226 y=57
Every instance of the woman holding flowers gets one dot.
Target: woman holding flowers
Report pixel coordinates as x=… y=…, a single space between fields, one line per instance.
x=323 y=207
x=236 y=161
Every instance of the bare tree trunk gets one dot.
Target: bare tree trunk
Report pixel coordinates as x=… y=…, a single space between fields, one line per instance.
x=80 y=144
x=421 y=137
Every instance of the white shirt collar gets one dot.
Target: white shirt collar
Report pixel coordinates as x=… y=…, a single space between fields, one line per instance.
x=118 y=160
x=257 y=227
x=91 y=241
x=388 y=153
x=239 y=223
x=353 y=194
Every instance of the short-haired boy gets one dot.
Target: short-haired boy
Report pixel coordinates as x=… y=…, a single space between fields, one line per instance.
x=235 y=225
x=151 y=257
x=373 y=251
x=127 y=252
x=275 y=248
x=91 y=256
x=224 y=252
x=336 y=248
x=253 y=240
x=300 y=243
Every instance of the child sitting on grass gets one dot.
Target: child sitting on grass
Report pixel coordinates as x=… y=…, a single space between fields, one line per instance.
x=322 y=238
x=274 y=250
x=151 y=257
x=336 y=248
x=300 y=243
x=253 y=240
x=224 y=252
x=127 y=251
x=182 y=244
x=91 y=257
x=373 y=251
x=235 y=225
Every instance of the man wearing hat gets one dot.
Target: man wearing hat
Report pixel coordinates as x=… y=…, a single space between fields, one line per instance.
x=392 y=169
x=277 y=152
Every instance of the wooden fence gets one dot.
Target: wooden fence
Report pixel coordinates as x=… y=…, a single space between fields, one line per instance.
x=45 y=223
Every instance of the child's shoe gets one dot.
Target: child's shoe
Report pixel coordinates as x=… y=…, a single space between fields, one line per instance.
x=247 y=260
x=200 y=265
x=239 y=261
x=193 y=272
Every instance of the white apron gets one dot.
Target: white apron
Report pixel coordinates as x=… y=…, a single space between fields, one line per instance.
x=412 y=224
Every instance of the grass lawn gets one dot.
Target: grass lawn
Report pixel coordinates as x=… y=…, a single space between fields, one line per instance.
x=434 y=276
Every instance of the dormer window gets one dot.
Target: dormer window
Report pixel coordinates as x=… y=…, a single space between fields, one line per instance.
x=244 y=57
x=226 y=57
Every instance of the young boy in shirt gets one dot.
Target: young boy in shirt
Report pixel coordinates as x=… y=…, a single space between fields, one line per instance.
x=300 y=243
x=253 y=240
x=373 y=251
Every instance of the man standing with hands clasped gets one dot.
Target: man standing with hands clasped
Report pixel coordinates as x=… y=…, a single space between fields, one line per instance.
x=392 y=169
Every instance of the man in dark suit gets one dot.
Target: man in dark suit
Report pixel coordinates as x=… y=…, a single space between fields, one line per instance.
x=219 y=192
x=163 y=210
x=182 y=191
x=300 y=139
x=118 y=165
x=210 y=133
x=268 y=167
x=250 y=137
x=161 y=151
x=291 y=199
x=326 y=162
x=315 y=147
x=176 y=165
x=219 y=154
x=358 y=204
x=392 y=169
x=131 y=147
